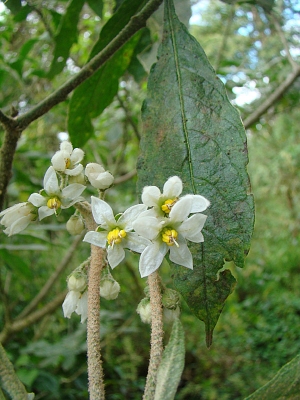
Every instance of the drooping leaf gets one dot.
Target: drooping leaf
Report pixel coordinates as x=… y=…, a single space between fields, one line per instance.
x=191 y=130
x=172 y=364
x=66 y=37
x=284 y=386
x=96 y=93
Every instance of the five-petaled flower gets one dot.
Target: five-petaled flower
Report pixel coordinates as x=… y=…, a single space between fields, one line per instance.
x=17 y=217
x=162 y=203
x=52 y=198
x=67 y=160
x=171 y=232
x=115 y=234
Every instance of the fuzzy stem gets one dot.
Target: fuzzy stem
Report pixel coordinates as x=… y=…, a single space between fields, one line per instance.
x=157 y=334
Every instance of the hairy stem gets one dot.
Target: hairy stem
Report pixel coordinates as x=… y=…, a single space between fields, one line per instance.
x=157 y=334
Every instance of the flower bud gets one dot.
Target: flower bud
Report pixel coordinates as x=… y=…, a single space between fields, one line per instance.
x=77 y=281
x=170 y=315
x=170 y=299
x=144 y=309
x=109 y=288
x=75 y=225
x=80 y=178
x=98 y=177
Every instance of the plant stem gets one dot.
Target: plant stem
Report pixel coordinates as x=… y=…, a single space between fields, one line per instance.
x=156 y=335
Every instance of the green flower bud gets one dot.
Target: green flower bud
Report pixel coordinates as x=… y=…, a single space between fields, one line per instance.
x=170 y=315
x=77 y=281
x=170 y=299
x=144 y=309
x=109 y=288
x=75 y=225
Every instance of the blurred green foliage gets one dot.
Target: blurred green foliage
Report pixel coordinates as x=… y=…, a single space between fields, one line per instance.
x=258 y=331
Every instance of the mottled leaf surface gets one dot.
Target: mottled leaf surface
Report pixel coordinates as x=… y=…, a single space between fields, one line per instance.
x=172 y=364
x=284 y=386
x=191 y=130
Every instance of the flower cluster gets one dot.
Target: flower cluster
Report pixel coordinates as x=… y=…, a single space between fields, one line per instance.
x=164 y=222
x=76 y=299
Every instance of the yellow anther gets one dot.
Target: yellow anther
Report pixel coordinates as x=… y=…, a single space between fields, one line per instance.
x=167 y=206
x=68 y=162
x=169 y=236
x=115 y=236
x=54 y=202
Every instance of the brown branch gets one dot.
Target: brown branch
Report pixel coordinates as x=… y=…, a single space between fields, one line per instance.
x=53 y=278
x=125 y=177
x=272 y=99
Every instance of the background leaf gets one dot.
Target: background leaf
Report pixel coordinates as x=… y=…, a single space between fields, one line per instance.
x=172 y=364
x=192 y=130
x=284 y=386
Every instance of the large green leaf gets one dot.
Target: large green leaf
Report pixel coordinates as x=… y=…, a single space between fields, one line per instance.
x=191 y=130
x=172 y=364
x=284 y=386
x=67 y=35
x=96 y=93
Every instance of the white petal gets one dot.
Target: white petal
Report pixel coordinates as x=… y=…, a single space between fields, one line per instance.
x=59 y=160
x=82 y=307
x=37 y=200
x=102 y=181
x=70 y=303
x=74 y=171
x=115 y=255
x=181 y=255
x=181 y=209
x=150 y=195
x=102 y=212
x=148 y=227
x=51 y=182
x=76 y=156
x=72 y=192
x=131 y=215
x=152 y=257
x=135 y=242
x=173 y=187
x=96 y=238
x=19 y=225
x=200 y=203
x=45 y=211
x=93 y=168
x=191 y=227
x=67 y=146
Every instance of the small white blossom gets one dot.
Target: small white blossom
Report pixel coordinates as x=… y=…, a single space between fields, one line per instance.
x=98 y=177
x=144 y=310
x=53 y=198
x=17 y=217
x=115 y=234
x=169 y=233
x=75 y=301
x=162 y=203
x=109 y=288
x=67 y=160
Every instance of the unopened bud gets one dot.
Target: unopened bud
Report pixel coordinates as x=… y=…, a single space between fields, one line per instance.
x=109 y=288
x=77 y=281
x=75 y=225
x=144 y=309
x=98 y=177
x=170 y=315
x=170 y=299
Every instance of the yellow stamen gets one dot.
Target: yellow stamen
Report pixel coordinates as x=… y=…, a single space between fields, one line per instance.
x=54 y=202
x=115 y=236
x=167 y=206
x=169 y=236
x=68 y=162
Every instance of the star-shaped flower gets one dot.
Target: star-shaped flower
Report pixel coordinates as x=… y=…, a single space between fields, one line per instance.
x=170 y=233
x=114 y=234
x=162 y=203
x=67 y=160
x=52 y=198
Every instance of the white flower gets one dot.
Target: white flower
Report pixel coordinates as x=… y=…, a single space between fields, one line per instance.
x=75 y=301
x=115 y=234
x=53 y=197
x=144 y=310
x=98 y=177
x=169 y=233
x=67 y=160
x=162 y=203
x=17 y=217
x=109 y=288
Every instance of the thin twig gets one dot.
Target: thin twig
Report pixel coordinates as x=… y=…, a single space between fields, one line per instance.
x=157 y=334
x=272 y=98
